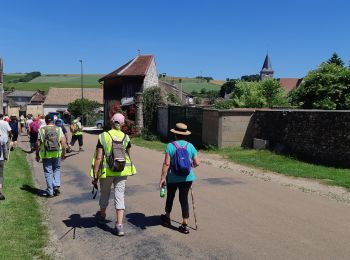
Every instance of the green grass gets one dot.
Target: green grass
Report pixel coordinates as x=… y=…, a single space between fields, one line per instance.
x=22 y=233
x=155 y=145
x=69 y=79
x=287 y=165
x=270 y=161
x=45 y=86
x=189 y=87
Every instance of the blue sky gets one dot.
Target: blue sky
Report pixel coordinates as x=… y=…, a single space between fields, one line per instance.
x=216 y=38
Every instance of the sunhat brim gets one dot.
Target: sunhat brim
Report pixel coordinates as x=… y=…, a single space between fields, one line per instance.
x=180 y=133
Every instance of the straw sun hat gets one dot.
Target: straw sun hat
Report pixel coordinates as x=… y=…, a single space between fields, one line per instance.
x=180 y=129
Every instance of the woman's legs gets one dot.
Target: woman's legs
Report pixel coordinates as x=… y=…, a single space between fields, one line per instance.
x=119 y=193
x=184 y=188
x=171 y=190
x=105 y=189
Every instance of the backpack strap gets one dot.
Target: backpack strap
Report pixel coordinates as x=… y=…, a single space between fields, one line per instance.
x=176 y=145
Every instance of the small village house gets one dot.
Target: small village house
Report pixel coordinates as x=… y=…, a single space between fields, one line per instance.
x=57 y=99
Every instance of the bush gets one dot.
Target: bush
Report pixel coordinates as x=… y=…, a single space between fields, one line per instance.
x=152 y=99
x=86 y=108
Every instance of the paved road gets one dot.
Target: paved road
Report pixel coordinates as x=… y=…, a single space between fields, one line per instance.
x=240 y=217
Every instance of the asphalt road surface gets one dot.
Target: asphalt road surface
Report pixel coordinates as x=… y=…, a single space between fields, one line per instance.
x=239 y=217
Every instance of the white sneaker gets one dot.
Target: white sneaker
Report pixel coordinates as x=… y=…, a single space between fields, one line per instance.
x=119 y=230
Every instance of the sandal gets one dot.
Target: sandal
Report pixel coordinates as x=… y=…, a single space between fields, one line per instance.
x=184 y=229
x=166 y=221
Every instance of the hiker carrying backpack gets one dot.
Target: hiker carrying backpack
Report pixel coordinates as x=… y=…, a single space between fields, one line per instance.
x=111 y=164
x=116 y=159
x=177 y=173
x=51 y=138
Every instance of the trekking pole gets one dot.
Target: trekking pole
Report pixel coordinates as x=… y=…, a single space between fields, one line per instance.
x=194 y=210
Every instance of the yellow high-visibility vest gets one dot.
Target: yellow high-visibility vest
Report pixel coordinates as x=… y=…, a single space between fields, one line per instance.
x=106 y=141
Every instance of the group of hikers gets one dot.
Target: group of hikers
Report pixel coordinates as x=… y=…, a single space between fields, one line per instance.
x=35 y=128
x=111 y=165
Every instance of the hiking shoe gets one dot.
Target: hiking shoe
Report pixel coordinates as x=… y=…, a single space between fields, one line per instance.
x=119 y=230
x=99 y=218
x=48 y=195
x=184 y=229
x=165 y=220
x=56 y=191
x=2 y=197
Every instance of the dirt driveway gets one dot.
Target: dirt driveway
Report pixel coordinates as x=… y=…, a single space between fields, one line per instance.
x=239 y=216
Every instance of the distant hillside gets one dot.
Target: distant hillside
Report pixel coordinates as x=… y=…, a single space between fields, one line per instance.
x=193 y=84
x=46 y=81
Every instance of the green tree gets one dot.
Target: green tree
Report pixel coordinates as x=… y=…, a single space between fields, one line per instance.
x=227 y=88
x=253 y=77
x=327 y=87
x=335 y=59
x=85 y=108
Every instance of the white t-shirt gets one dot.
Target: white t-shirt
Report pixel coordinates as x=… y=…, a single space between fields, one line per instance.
x=4 y=129
x=29 y=121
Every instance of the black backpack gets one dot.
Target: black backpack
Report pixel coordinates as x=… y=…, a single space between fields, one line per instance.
x=117 y=158
x=51 y=139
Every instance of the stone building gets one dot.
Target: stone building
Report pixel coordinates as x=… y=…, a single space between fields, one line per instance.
x=266 y=70
x=123 y=85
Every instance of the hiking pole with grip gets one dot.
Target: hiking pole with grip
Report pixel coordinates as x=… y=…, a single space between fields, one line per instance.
x=194 y=210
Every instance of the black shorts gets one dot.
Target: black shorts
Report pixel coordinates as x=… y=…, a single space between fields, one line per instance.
x=75 y=138
x=14 y=137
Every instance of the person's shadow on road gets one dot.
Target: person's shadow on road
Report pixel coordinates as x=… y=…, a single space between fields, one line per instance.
x=76 y=221
x=139 y=220
x=33 y=190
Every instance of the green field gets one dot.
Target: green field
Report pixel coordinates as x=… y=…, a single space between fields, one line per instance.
x=70 y=79
x=192 y=84
x=52 y=80
x=46 y=81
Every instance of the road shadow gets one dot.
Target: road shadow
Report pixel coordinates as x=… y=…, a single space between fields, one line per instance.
x=71 y=154
x=141 y=221
x=33 y=190
x=26 y=151
x=75 y=221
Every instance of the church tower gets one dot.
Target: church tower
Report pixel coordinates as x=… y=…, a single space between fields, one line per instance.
x=266 y=70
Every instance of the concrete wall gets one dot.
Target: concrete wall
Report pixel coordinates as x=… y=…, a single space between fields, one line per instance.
x=35 y=110
x=210 y=129
x=151 y=78
x=234 y=128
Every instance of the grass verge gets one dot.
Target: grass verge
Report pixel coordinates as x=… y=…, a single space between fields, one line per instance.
x=270 y=161
x=155 y=145
x=23 y=236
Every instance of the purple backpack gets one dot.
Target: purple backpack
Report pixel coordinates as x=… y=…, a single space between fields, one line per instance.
x=182 y=162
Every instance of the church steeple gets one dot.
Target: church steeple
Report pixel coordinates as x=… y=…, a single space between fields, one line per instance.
x=266 y=70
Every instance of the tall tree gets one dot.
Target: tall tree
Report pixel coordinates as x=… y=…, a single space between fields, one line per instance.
x=335 y=59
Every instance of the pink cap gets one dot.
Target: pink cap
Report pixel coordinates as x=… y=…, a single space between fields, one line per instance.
x=118 y=118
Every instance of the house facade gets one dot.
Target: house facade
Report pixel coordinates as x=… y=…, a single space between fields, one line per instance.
x=57 y=99
x=122 y=85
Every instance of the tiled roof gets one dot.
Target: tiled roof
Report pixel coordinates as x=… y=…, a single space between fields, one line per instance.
x=133 y=68
x=21 y=93
x=288 y=84
x=38 y=98
x=64 y=96
x=169 y=88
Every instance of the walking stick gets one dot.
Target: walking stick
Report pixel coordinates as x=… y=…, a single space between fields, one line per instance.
x=194 y=210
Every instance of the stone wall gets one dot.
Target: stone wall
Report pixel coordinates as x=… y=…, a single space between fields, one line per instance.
x=313 y=135
x=35 y=110
x=13 y=111
x=151 y=78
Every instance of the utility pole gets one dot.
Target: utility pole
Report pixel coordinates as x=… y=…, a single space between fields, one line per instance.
x=82 y=90
x=1 y=86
